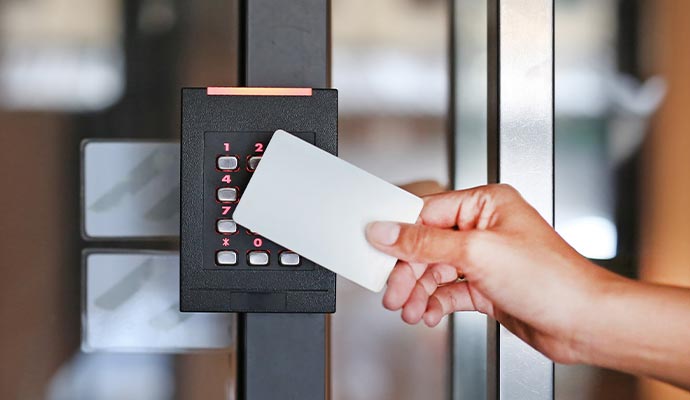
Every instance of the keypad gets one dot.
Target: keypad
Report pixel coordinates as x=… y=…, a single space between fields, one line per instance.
x=227 y=163
x=226 y=226
x=227 y=194
x=230 y=160
x=224 y=266
x=253 y=162
x=226 y=257
x=289 y=258
x=258 y=257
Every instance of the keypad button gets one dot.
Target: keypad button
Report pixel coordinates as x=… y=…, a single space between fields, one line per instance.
x=258 y=258
x=227 y=194
x=226 y=257
x=227 y=163
x=253 y=162
x=226 y=226
x=289 y=258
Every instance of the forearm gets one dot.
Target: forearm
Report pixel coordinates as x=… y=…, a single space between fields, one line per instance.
x=640 y=328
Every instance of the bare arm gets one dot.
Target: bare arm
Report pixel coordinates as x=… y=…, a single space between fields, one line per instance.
x=520 y=272
x=643 y=329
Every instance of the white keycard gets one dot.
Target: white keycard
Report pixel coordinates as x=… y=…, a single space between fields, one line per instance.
x=315 y=204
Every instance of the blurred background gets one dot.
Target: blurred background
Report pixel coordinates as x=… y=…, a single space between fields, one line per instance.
x=109 y=71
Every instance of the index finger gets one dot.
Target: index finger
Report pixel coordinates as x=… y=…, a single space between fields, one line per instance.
x=465 y=209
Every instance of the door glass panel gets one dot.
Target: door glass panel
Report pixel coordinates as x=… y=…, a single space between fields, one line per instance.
x=81 y=71
x=390 y=66
x=606 y=93
x=602 y=109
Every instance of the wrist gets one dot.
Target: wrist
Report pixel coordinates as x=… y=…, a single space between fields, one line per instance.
x=594 y=337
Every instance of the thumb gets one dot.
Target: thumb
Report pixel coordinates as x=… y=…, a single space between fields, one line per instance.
x=419 y=243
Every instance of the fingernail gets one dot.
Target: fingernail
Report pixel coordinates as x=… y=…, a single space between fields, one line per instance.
x=385 y=233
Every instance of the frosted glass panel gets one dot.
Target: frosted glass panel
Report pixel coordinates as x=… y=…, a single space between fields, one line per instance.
x=131 y=189
x=131 y=302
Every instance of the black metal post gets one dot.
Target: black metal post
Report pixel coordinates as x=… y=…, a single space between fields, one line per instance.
x=285 y=356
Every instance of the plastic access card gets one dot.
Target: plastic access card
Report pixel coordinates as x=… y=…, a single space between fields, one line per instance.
x=318 y=205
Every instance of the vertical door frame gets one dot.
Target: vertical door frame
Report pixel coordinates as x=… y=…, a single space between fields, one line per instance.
x=520 y=152
x=284 y=44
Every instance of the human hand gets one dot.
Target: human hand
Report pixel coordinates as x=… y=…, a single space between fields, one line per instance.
x=516 y=268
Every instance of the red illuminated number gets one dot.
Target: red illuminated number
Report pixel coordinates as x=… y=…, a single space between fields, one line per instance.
x=226 y=210
x=226 y=146
x=259 y=147
x=226 y=179
x=258 y=242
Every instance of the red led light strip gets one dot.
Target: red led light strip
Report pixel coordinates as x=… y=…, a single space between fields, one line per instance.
x=257 y=91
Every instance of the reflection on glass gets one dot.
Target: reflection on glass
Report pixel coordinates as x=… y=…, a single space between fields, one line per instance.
x=470 y=160
x=601 y=115
x=390 y=66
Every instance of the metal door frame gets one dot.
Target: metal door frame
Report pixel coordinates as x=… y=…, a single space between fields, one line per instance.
x=520 y=151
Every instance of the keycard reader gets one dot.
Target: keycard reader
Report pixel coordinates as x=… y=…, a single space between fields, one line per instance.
x=223 y=266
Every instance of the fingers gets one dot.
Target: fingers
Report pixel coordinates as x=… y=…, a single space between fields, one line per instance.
x=400 y=284
x=466 y=209
x=417 y=304
x=418 y=291
x=412 y=295
x=446 y=300
x=437 y=275
x=419 y=243
x=412 y=286
x=414 y=309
